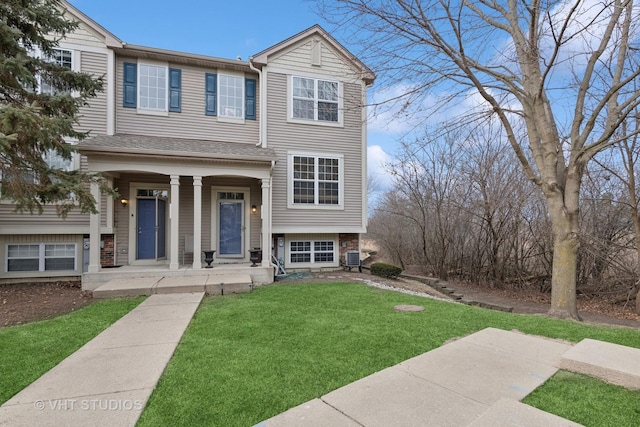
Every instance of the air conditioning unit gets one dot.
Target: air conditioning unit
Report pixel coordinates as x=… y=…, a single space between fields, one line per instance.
x=352 y=259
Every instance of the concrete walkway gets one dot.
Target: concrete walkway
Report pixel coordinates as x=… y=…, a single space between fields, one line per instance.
x=108 y=381
x=477 y=381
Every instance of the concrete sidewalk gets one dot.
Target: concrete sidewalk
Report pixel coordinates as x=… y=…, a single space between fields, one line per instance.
x=108 y=381
x=477 y=381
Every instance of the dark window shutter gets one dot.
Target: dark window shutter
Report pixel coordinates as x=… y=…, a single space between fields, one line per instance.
x=129 y=85
x=211 y=85
x=250 y=99
x=175 y=85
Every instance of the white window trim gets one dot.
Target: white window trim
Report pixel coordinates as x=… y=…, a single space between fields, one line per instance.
x=148 y=111
x=41 y=256
x=230 y=119
x=75 y=64
x=291 y=204
x=312 y=253
x=291 y=119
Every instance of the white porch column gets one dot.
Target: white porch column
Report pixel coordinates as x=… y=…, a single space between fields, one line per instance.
x=197 y=222
x=265 y=213
x=94 y=232
x=175 y=222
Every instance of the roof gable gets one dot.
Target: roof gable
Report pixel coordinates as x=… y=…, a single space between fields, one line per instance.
x=311 y=35
x=109 y=39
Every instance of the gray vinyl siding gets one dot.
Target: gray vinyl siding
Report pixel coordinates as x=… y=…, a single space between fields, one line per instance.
x=299 y=59
x=191 y=122
x=84 y=35
x=47 y=222
x=347 y=140
x=122 y=214
x=93 y=117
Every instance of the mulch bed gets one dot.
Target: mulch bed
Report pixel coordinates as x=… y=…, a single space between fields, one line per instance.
x=26 y=302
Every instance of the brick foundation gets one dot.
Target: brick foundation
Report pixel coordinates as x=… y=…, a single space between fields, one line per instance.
x=352 y=244
x=107 y=250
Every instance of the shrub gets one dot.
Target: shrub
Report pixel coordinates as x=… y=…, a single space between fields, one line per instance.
x=385 y=270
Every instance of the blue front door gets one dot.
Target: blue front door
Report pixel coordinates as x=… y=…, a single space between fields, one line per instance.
x=151 y=228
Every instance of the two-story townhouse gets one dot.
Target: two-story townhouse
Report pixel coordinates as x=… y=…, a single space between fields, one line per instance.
x=215 y=154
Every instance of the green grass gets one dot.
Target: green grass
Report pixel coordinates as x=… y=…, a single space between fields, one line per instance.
x=587 y=401
x=28 y=351
x=248 y=357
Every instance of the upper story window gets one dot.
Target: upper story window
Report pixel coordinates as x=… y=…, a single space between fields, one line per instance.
x=315 y=99
x=315 y=180
x=61 y=57
x=152 y=88
x=230 y=96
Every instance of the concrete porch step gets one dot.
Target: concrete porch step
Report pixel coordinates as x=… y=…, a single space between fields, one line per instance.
x=213 y=284
x=613 y=363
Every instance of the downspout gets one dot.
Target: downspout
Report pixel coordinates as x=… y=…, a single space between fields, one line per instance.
x=263 y=117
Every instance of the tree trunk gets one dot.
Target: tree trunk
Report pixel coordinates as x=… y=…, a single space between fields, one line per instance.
x=563 y=278
x=565 y=259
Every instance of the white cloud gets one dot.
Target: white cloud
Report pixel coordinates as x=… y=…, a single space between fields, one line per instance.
x=377 y=159
x=389 y=113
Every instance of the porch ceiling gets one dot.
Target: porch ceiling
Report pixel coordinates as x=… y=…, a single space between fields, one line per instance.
x=174 y=147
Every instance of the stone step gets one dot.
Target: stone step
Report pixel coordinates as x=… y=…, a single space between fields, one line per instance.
x=490 y=306
x=613 y=363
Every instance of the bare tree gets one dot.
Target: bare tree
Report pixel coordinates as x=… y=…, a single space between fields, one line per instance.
x=522 y=59
x=499 y=193
x=627 y=172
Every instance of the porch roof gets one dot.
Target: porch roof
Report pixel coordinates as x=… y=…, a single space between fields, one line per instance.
x=174 y=147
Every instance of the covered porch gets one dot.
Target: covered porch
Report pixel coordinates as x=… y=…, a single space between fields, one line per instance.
x=179 y=198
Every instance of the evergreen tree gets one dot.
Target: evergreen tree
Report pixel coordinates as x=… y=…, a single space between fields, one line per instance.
x=39 y=102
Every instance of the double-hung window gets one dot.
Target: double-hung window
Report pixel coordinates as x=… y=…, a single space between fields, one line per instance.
x=230 y=96
x=41 y=257
x=62 y=58
x=152 y=88
x=315 y=99
x=311 y=252
x=316 y=180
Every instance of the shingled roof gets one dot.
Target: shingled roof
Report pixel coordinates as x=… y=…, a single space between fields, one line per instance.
x=164 y=146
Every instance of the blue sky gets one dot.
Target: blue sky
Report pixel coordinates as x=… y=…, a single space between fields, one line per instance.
x=226 y=29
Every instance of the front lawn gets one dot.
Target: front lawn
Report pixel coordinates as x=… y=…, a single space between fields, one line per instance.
x=588 y=401
x=248 y=357
x=28 y=351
